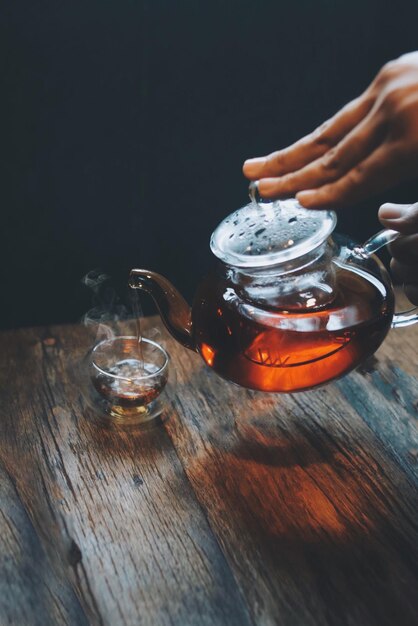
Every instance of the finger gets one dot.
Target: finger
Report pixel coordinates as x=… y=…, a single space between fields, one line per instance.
x=405 y=249
x=352 y=149
x=401 y=217
x=312 y=146
x=404 y=273
x=377 y=172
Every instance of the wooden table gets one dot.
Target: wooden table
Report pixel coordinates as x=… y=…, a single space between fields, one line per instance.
x=242 y=509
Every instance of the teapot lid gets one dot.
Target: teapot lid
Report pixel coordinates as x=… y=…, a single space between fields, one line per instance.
x=269 y=233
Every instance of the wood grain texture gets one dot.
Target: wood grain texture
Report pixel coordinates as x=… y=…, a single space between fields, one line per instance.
x=243 y=508
x=32 y=591
x=314 y=509
x=115 y=510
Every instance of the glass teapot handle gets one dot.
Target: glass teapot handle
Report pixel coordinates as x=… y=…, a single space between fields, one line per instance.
x=383 y=238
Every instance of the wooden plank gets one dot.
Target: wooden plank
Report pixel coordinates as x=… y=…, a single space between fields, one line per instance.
x=312 y=497
x=313 y=501
x=32 y=591
x=394 y=421
x=400 y=346
x=393 y=374
x=114 y=511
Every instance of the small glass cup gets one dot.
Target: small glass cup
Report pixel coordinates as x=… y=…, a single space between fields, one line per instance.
x=128 y=379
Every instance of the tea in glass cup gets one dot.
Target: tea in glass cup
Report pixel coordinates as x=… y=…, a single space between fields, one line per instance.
x=129 y=376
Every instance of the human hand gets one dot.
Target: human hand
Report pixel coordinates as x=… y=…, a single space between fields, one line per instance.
x=366 y=148
x=404 y=264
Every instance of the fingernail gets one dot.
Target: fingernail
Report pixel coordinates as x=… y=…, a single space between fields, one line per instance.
x=268 y=186
x=391 y=211
x=303 y=197
x=252 y=167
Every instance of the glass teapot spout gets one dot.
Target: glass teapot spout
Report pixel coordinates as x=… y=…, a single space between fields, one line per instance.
x=173 y=308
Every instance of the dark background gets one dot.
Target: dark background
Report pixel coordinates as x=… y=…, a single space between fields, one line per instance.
x=126 y=124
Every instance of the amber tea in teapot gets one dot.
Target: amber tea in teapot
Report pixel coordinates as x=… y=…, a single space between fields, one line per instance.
x=284 y=350
x=288 y=307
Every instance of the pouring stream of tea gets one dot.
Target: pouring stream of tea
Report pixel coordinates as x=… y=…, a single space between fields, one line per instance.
x=137 y=314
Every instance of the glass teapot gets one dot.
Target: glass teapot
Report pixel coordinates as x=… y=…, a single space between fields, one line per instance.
x=288 y=307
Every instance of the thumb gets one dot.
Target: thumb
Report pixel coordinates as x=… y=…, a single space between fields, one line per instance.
x=400 y=217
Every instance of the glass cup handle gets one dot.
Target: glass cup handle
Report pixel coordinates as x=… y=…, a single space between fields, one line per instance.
x=383 y=238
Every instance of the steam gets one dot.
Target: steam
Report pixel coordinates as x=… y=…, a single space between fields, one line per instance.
x=109 y=313
x=107 y=308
